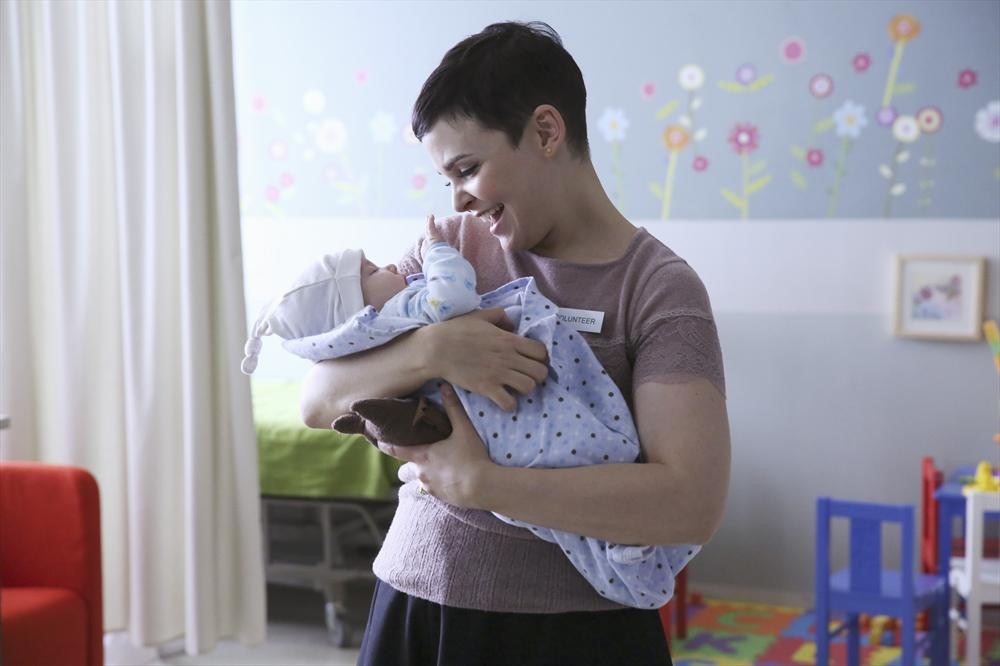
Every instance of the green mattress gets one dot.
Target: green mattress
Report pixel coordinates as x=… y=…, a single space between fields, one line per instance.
x=303 y=462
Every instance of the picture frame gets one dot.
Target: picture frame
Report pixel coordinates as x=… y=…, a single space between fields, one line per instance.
x=940 y=297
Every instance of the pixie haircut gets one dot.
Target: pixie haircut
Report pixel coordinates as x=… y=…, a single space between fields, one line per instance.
x=498 y=78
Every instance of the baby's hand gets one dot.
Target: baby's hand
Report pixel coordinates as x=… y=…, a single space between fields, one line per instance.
x=432 y=233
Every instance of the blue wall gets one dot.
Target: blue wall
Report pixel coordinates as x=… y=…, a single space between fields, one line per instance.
x=324 y=91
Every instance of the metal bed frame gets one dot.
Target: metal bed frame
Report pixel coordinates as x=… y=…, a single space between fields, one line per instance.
x=324 y=544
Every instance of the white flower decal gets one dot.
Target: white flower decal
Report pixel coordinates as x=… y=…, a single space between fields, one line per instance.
x=691 y=77
x=331 y=136
x=313 y=101
x=613 y=124
x=383 y=127
x=988 y=122
x=905 y=129
x=850 y=119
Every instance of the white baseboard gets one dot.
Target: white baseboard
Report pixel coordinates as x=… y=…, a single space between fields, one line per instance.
x=757 y=595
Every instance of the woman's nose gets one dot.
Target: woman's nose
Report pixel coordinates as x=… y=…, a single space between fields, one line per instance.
x=392 y=268
x=461 y=200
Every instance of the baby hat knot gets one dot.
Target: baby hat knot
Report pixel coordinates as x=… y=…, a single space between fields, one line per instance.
x=320 y=299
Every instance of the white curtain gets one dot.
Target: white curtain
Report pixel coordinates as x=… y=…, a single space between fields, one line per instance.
x=122 y=300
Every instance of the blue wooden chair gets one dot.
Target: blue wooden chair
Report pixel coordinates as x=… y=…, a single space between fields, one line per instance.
x=865 y=587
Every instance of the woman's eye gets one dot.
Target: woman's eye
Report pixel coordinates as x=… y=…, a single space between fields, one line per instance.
x=465 y=174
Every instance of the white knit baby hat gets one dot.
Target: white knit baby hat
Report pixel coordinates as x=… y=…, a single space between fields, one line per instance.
x=322 y=298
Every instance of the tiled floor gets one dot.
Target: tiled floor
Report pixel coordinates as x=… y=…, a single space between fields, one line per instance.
x=296 y=636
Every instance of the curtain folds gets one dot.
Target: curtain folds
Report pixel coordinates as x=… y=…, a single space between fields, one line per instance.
x=122 y=300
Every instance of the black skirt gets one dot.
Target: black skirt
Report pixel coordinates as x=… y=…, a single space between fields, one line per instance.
x=407 y=631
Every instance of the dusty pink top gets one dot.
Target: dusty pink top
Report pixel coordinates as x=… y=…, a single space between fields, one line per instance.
x=658 y=326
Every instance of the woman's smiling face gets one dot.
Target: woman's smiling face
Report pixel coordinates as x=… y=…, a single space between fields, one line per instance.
x=491 y=179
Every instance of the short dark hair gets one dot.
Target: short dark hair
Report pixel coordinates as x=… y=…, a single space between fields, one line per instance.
x=499 y=76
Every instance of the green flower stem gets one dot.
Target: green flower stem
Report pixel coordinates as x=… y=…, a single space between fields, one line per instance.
x=668 y=185
x=890 y=82
x=616 y=165
x=744 y=169
x=845 y=148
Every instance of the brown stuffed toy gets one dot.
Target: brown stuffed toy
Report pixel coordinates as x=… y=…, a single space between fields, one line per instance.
x=399 y=421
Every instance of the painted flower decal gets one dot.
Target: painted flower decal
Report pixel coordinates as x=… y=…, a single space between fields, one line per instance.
x=814 y=157
x=700 y=163
x=691 y=77
x=792 y=50
x=903 y=28
x=313 y=101
x=850 y=119
x=821 y=86
x=258 y=103
x=613 y=124
x=278 y=150
x=676 y=137
x=331 y=136
x=905 y=129
x=886 y=116
x=743 y=138
x=988 y=122
x=967 y=78
x=929 y=118
x=746 y=74
x=861 y=62
x=383 y=127
x=648 y=90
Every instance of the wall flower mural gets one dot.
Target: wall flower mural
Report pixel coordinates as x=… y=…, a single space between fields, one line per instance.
x=905 y=130
x=333 y=140
x=679 y=135
x=903 y=28
x=812 y=155
x=848 y=121
x=744 y=139
x=930 y=119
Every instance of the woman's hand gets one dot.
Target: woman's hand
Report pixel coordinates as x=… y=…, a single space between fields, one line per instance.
x=475 y=353
x=449 y=470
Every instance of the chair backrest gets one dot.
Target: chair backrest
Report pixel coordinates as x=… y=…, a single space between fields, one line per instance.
x=977 y=505
x=931 y=479
x=865 y=525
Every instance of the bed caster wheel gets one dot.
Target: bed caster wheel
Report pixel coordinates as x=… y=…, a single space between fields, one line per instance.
x=336 y=630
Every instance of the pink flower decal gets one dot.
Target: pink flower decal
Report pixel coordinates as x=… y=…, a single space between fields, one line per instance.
x=700 y=163
x=361 y=76
x=287 y=180
x=814 y=156
x=419 y=181
x=821 y=86
x=272 y=193
x=743 y=138
x=258 y=103
x=648 y=90
x=861 y=62
x=967 y=78
x=792 y=50
x=929 y=118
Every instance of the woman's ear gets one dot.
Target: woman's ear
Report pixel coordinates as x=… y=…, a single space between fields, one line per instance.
x=547 y=129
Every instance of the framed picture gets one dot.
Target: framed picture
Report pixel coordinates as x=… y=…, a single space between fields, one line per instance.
x=940 y=297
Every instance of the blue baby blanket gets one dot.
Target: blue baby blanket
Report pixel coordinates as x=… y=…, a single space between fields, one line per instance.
x=576 y=417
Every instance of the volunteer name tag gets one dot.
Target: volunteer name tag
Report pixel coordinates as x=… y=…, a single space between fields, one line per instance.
x=588 y=321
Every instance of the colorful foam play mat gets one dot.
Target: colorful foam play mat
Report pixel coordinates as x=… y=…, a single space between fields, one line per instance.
x=734 y=633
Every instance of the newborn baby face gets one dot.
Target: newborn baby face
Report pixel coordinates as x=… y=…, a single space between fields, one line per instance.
x=378 y=285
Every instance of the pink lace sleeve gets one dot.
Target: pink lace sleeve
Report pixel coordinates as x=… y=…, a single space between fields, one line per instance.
x=679 y=347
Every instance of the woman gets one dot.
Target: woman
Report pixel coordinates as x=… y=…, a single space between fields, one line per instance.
x=503 y=118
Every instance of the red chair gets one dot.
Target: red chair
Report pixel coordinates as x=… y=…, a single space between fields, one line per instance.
x=678 y=604
x=50 y=566
x=931 y=480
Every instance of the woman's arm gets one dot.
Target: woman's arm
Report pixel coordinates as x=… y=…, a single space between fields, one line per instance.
x=676 y=497
x=471 y=351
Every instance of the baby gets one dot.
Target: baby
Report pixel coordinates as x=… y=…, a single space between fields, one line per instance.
x=577 y=416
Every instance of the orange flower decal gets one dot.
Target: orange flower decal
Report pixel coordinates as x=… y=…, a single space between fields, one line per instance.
x=903 y=27
x=676 y=138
